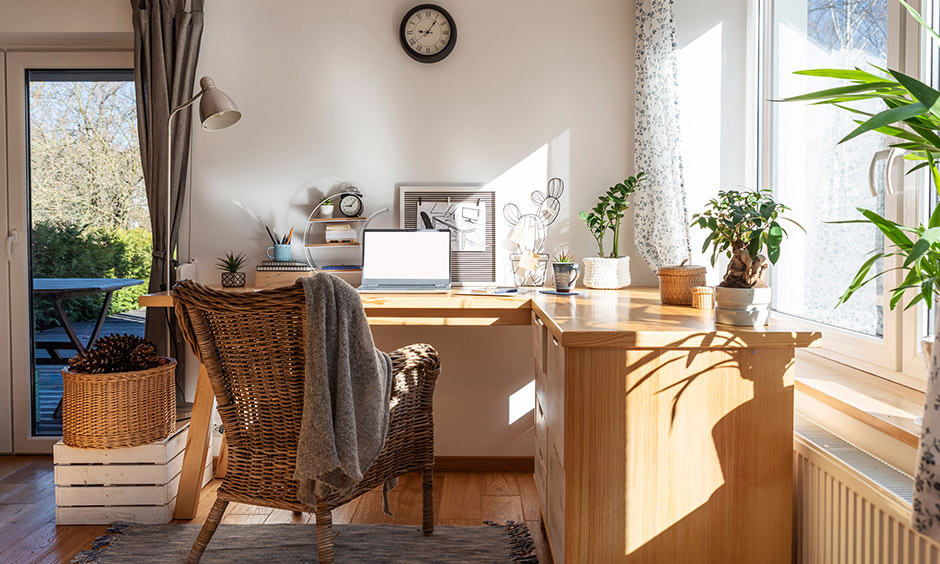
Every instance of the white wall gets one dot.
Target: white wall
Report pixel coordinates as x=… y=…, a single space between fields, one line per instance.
x=328 y=96
x=65 y=23
x=716 y=104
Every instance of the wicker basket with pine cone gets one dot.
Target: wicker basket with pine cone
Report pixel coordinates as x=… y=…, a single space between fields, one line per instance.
x=118 y=393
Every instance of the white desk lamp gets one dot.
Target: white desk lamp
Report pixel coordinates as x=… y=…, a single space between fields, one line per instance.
x=216 y=111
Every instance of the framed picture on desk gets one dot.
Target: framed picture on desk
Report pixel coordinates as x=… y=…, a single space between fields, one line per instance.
x=469 y=212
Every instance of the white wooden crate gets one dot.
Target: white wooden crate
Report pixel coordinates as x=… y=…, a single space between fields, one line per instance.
x=136 y=484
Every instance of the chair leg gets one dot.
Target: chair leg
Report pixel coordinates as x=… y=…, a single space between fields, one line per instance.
x=208 y=529
x=428 y=479
x=324 y=535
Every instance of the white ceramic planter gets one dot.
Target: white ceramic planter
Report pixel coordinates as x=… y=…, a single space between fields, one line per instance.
x=606 y=273
x=748 y=307
x=326 y=211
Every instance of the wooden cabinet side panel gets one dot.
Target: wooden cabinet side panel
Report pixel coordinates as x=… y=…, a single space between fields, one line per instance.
x=679 y=455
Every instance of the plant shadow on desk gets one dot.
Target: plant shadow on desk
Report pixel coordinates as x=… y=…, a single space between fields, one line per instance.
x=727 y=499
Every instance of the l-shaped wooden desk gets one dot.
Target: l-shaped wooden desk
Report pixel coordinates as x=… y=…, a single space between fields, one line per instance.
x=660 y=437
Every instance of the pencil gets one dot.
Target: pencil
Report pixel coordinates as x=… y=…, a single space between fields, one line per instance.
x=271 y=235
x=289 y=235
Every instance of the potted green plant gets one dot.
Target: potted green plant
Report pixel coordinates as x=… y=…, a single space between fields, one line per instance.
x=565 y=272
x=231 y=265
x=326 y=208
x=741 y=225
x=609 y=271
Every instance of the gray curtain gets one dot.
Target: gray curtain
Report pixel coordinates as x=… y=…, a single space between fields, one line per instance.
x=660 y=217
x=167 y=34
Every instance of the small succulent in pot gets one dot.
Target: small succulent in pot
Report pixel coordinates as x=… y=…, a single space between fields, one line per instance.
x=741 y=225
x=326 y=207
x=564 y=258
x=231 y=265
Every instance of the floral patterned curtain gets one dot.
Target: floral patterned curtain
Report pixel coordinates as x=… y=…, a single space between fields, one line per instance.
x=660 y=217
x=926 y=515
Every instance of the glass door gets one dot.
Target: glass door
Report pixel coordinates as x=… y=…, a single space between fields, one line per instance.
x=76 y=193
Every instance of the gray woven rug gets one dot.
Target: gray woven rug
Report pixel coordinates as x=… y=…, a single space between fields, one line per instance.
x=295 y=544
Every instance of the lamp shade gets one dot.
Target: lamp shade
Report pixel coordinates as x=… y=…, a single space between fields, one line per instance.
x=216 y=109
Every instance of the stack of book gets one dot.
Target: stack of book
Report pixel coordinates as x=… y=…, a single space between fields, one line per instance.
x=341 y=233
x=277 y=273
x=283 y=266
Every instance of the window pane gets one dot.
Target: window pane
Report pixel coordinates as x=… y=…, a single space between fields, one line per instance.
x=813 y=174
x=89 y=219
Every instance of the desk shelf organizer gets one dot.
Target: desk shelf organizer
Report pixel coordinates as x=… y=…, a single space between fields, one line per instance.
x=319 y=253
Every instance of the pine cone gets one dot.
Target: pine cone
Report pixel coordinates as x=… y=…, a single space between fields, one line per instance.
x=144 y=356
x=116 y=353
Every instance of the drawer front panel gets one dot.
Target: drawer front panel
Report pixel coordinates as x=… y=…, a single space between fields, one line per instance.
x=554 y=393
x=555 y=492
x=539 y=333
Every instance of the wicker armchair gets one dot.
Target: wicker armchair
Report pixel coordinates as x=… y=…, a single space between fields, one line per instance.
x=252 y=345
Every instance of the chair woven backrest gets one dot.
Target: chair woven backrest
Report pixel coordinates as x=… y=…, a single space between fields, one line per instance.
x=252 y=345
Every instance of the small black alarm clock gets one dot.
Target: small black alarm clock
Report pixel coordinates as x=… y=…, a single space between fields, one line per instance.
x=350 y=205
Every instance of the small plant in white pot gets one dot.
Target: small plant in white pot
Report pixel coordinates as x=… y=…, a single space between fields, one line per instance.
x=742 y=224
x=326 y=208
x=612 y=271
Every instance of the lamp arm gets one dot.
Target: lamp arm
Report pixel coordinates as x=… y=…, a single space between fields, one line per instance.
x=167 y=257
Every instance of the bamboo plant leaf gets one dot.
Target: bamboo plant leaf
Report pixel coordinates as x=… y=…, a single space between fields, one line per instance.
x=887 y=117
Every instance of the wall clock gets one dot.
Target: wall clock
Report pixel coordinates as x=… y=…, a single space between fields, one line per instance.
x=428 y=33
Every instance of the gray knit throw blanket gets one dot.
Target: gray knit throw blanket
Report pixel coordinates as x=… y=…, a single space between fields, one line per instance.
x=346 y=392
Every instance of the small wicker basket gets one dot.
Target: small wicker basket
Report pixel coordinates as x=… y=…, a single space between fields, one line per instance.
x=703 y=297
x=121 y=409
x=676 y=283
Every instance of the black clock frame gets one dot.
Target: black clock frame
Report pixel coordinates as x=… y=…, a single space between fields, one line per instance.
x=351 y=196
x=440 y=55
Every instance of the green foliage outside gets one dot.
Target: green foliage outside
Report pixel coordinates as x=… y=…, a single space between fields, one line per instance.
x=65 y=250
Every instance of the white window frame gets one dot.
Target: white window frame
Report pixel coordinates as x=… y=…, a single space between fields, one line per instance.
x=17 y=197
x=895 y=356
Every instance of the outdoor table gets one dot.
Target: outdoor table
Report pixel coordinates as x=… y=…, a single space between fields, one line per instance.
x=58 y=289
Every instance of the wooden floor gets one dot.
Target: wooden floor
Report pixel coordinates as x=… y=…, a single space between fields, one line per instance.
x=27 y=509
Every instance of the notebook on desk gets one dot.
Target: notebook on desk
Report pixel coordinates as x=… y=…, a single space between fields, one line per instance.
x=405 y=260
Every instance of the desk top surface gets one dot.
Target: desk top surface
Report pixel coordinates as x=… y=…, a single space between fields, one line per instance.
x=632 y=317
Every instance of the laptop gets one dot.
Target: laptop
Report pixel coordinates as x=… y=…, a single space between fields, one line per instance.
x=405 y=260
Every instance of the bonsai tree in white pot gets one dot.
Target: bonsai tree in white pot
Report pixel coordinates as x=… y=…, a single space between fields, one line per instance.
x=612 y=271
x=742 y=224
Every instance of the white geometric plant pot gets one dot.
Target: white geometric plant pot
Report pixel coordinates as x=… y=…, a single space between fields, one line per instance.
x=604 y=273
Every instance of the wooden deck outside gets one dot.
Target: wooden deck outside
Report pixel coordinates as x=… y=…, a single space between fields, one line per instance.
x=48 y=383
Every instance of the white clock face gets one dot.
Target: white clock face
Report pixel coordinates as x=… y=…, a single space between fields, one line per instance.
x=350 y=206
x=427 y=32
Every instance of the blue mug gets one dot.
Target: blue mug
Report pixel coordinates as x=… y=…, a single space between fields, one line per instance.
x=281 y=253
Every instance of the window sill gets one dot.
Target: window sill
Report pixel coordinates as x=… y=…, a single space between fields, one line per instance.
x=883 y=405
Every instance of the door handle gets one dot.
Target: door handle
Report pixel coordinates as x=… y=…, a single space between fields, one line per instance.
x=12 y=239
x=893 y=155
x=880 y=155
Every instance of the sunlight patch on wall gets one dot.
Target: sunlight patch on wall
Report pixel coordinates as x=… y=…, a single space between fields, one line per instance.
x=521 y=402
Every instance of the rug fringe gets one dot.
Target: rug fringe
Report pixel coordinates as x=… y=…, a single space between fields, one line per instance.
x=101 y=544
x=521 y=547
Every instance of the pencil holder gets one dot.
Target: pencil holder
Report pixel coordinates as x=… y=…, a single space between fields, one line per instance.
x=281 y=253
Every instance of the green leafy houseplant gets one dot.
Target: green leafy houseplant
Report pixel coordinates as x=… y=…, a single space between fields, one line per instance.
x=741 y=225
x=231 y=262
x=609 y=212
x=912 y=119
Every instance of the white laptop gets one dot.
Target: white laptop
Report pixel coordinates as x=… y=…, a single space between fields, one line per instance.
x=405 y=260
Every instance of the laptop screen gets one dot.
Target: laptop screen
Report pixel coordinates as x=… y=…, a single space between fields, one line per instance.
x=406 y=255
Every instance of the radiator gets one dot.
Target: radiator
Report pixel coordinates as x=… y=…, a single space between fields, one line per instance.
x=849 y=507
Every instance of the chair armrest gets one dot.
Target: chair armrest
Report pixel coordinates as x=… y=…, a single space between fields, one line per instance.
x=415 y=370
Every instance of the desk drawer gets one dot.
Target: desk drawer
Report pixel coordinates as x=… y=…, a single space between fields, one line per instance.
x=555 y=493
x=553 y=401
x=539 y=333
